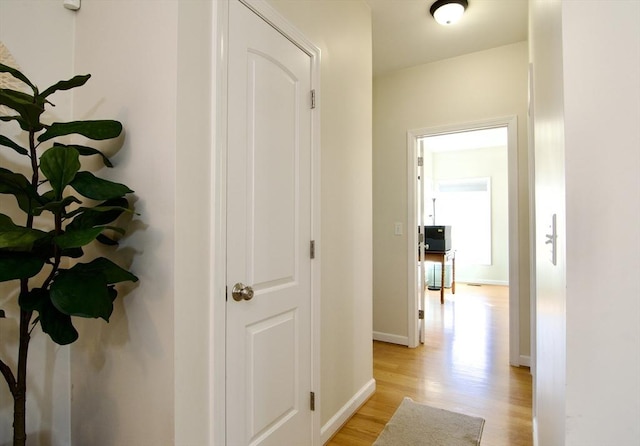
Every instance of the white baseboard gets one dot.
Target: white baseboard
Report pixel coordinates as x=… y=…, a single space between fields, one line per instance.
x=482 y=282
x=525 y=361
x=342 y=416
x=391 y=338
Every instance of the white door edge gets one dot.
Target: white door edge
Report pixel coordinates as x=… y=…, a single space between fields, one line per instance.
x=217 y=432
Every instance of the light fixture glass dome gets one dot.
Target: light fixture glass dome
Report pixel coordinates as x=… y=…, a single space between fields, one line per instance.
x=447 y=12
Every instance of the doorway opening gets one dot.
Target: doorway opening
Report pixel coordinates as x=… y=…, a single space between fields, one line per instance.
x=474 y=192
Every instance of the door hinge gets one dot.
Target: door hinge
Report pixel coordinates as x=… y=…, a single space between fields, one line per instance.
x=312 y=401
x=420 y=161
x=312 y=249
x=313 y=99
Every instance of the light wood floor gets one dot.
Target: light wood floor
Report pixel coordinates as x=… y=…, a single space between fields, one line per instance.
x=463 y=366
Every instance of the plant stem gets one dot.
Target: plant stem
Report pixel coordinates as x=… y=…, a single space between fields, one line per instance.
x=20 y=395
x=20 y=389
x=8 y=376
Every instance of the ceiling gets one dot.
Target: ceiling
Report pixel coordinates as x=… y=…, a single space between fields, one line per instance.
x=405 y=34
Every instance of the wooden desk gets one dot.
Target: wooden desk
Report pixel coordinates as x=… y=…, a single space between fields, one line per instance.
x=443 y=257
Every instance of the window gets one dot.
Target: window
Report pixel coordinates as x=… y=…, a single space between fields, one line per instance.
x=465 y=205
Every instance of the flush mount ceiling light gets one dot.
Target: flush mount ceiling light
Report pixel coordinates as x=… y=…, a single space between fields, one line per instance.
x=447 y=12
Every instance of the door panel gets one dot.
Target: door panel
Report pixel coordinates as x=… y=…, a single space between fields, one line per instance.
x=268 y=234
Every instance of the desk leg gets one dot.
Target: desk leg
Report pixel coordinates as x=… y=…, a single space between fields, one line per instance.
x=453 y=275
x=442 y=279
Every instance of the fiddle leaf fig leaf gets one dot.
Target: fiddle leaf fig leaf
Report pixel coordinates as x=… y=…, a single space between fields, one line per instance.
x=106 y=240
x=57 y=206
x=57 y=324
x=90 y=186
x=18 y=75
x=60 y=166
x=112 y=272
x=4 y=141
x=17 y=185
x=99 y=215
x=17 y=238
x=77 y=293
x=88 y=151
x=18 y=265
x=77 y=238
x=33 y=300
x=96 y=130
x=28 y=107
x=76 y=81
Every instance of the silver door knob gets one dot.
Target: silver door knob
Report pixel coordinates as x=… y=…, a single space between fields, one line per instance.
x=241 y=292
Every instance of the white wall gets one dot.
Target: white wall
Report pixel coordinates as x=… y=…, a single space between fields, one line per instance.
x=44 y=61
x=587 y=102
x=342 y=30
x=480 y=86
x=546 y=55
x=122 y=373
x=143 y=378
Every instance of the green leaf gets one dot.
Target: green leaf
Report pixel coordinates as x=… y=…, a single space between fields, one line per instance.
x=46 y=249
x=4 y=141
x=90 y=186
x=17 y=185
x=76 y=81
x=57 y=206
x=88 y=151
x=77 y=238
x=28 y=107
x=19 y=265
x=33 y=300
x=18 y=238
x=74 y=253
x=60 y=166
x=112 y=272
x=18 y=75
x=106 y=240
x=96 y=130
x=77 y=293
x=99 y=215
x=57 y=324
x=113 y=293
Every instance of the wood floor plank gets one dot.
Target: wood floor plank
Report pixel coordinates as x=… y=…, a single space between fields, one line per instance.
x=463 y=366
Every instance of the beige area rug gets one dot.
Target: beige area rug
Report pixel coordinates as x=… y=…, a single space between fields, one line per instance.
x=415 y=424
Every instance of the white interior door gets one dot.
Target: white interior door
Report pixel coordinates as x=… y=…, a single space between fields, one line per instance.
x=422 y=221
x=268 y=346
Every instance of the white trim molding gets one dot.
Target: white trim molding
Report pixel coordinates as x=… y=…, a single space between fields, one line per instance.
x=511 y=122
x=390 y=338
x=342 y=416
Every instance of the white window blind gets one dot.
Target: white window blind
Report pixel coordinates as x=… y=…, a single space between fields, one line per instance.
x=465 y=205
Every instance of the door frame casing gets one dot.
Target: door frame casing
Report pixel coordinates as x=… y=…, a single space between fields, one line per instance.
x=511 y=122
x=219 y=102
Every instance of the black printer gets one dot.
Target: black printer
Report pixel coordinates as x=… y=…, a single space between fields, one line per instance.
x=437 y=238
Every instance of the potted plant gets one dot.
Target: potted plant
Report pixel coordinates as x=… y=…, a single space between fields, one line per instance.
x=60 y=209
